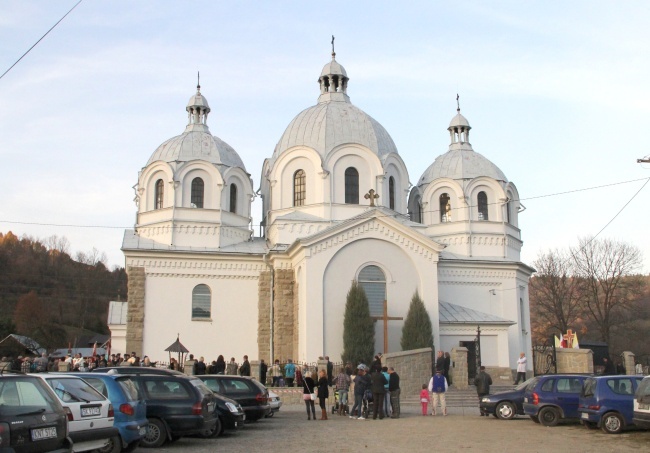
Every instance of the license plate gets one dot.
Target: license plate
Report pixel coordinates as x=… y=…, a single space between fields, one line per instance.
x=142 y=431
x=43 y=433
x=90 y=411
x=644 y=407
x=584 y=415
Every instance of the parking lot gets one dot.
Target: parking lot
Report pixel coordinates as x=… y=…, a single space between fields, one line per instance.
x=462 y=429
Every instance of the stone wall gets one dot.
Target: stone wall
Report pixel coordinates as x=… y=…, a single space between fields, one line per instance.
x=628 y=362
x=285 y=316
x=571 y=360
x=413 y=368
x=458 y=370
x=263 y=317
x=135 y=309
x=501 y=375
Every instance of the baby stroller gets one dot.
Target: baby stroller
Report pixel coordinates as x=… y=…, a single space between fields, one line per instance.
x=337 y=404
x=367 y=404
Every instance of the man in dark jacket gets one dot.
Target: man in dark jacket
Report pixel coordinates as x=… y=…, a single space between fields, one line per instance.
x=378 y=381
x=245 y=368
x=483 y=381
x=393 y=388
x=361 y=384
x=440 y=362
x=263 y=369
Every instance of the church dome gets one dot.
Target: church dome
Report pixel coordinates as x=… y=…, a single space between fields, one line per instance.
x=334 y=121
x=461 y=161
x=196 y=142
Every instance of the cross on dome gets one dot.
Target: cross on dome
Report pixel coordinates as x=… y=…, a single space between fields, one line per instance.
x=333 y=81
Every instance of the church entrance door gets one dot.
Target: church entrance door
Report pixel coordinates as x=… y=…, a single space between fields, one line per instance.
x=471 y=360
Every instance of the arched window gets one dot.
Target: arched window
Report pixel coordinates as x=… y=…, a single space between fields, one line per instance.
x=233 y=198
x=445 y=208
x=351 y=186
x=197 y=193
x=159 y=195
x=201 y=302
x=299 y=188
x=482 y=206
x=508 y=208
x=391 y=193
x=373 y=282
x=416 y=209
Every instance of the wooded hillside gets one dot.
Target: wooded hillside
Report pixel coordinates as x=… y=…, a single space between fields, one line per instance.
x=50 y=296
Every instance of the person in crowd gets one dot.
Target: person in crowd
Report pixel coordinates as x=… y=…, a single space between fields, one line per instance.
x=376 y=364
x=361 y=384
x=276 y=373
x=221 y=366
x=483 y=381
x=189 y=366
x=263 y=370
x=289 y=372
x=323 y=393
x=348 y=368
x=620 y=369
x=330 y=371
x=308 y=390
x=438 y=387
x=173 y=364
x=146 y=361
x=342 y=387
x=102 y=362
x=521 y=368
x=447 y=368
x=609 y=366
x=394 y=391
x=231 y=368
x=199 y=367
x=440 y=362
x=245 y=368
x=298 y=377
x=41 y=363
x=424 y=399
x=212 y=367
x=387 y=409
x=378 y=383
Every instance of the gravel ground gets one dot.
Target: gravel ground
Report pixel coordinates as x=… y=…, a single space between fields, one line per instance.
x=462 y=429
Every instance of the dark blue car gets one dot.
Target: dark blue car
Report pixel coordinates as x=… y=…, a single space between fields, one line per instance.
x=553 y=398
x=130 y=409
x=607 y=402
x=508 y=404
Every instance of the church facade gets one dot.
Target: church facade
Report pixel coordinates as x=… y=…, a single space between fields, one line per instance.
x=337 y=207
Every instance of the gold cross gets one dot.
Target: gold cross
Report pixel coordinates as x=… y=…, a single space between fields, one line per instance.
x=372 y=196
x=386 y=318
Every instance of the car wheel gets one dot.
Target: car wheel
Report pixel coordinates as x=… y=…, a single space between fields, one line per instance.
x=506 y=410
x=213 y=432
x=114 y=445
x=156 y=434
x=534 y=418
x=549 y=416
x=612 y=423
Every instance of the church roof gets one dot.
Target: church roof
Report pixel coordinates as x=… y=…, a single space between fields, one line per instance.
x=456 y=314
x=461 y=164
x=132 y=241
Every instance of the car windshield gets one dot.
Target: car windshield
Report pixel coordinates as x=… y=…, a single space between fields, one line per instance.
x=24 y=397
x=589 y=389
x=199 y=384
x=525 y=384
x=74 y=389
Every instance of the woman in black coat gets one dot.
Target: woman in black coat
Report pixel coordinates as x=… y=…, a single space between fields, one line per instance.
x=308 y=387
x=220 y=367
x=323 y=393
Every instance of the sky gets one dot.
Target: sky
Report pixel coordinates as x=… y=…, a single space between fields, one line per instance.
x=556 y=92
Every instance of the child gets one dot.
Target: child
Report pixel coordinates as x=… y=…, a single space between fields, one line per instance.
x=424 y=399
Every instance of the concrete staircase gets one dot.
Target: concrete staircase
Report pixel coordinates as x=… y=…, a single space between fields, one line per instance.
x=457 y=398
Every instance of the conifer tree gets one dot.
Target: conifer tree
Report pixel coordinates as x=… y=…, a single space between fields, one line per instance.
x=417 y=331
x=358 y=328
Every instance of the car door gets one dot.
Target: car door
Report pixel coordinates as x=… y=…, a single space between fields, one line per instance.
x=169 y=399
x=567 y=391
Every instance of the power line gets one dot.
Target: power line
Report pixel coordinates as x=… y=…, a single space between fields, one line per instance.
x=41 y=38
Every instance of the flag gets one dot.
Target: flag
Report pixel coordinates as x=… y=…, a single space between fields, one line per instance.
x=95 y=349
x=558 y=343
x=107 y=345
x=575 y=341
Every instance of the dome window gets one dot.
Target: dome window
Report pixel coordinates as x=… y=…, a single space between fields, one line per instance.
x=482 y=206
x=299 y=188
x=197 y=193
x=391 y=193
x=201 y=302
x=159 y=194
x=351 y=186
x=373 y=282
x=445 y=208
x=233 y=198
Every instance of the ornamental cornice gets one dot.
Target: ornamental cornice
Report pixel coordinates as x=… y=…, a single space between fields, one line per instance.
x=378 y=228
x=475 y=273
x=202 y=265
x=449 y=327
x=468 y=283
x=203 y=276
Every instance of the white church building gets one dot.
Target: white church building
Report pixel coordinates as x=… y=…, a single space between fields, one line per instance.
x=338 y=206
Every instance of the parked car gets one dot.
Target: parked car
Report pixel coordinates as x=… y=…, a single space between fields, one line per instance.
x=31 y=417
x=607 y=402
x=552 y=398
x=275 y=402
x=252 y=395
x=136 y=370
x=231 y=414
x=90 y=414
x=176 y=406
x=641 y=415
x=130 y=409
x=508 y=404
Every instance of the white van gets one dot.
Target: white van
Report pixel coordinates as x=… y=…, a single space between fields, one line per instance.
x=641 y=415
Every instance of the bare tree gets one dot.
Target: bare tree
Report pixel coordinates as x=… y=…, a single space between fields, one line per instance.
x=91 y=258
x=610 y=287
x=555 y=300
x=58 y=244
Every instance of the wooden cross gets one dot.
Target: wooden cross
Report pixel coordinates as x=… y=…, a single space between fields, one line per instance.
x=569 y=338
x=386 y=318
x=372 y=196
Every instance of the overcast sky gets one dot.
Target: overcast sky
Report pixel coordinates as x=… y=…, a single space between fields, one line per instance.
x=557 y=94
